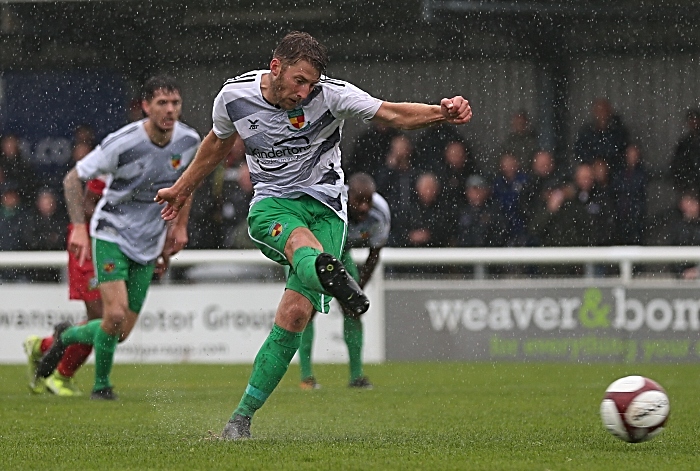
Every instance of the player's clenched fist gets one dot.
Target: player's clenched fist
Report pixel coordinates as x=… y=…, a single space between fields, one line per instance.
x=456 y=110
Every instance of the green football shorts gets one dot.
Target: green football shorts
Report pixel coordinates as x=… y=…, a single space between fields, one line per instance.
x=272 y=220
x=112 y=265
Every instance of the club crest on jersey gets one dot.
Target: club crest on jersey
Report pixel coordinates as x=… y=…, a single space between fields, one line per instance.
x=276 y=229
x=176 y=160
x=296 y=117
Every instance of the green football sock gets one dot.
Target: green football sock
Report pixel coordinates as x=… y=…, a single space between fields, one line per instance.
x=270 y=365
x=304 y=263
x=81 y=333
x=352 y=333
x=307 y=341
x=105 y=345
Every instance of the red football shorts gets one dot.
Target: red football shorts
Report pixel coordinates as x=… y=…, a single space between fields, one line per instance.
x=82 y=281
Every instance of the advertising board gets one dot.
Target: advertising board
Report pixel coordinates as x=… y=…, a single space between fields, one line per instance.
x=580 y=322
x=205 y=323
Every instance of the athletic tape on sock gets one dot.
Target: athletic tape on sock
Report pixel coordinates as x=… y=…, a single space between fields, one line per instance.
x=256 y=393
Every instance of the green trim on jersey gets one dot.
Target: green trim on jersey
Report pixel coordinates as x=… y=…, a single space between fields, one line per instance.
x=272 y=220
x=112 y=265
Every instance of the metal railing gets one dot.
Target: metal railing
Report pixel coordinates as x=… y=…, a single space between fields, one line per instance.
x=624 y=256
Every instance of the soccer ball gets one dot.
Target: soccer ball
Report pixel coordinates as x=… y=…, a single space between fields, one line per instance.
x=635 y=409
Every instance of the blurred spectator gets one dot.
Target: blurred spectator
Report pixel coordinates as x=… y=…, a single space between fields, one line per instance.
x=84 y=134
x=454 y=170
x=685 y=164
x=542 y=173
x=13 y=219
x=508 y=188
x=605 y=137
x=560 y=220
x=598 y=195
x=555 y=218
x=433 y=223
x=134 y=110
x=396 y=182
x=236 y=193
x=629 y=191
x=80 y=150
x=522 y=139
x=46 y=231
x=431 y=146
x=371 y=149
x=205 y=215
x=212 y=215
x=13 y=223
x=16 y=168
x=479 y=222
x=46 y=223
x=603 y=195
x=598 y=203
x=686 y=231
x=601 y=175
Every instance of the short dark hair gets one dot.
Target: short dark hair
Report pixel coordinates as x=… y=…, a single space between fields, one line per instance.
x=159 y=82
x=297 y=46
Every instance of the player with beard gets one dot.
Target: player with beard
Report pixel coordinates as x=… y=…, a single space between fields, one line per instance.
x=290 y=118
x=129 y=239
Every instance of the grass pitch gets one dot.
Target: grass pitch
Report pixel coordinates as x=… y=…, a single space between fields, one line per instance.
x=422 y=416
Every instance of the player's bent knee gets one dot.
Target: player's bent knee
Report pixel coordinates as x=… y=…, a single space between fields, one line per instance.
x=294 y=312
x=294 y=321
x=114 y=318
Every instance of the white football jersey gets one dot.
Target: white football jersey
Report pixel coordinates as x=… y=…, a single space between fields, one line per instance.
x=373 y=232
x=291 y=153
x=135 y=170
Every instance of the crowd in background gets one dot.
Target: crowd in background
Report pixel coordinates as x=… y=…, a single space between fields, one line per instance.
x=439 y=193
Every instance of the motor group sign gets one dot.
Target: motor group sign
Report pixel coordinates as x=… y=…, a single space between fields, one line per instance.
x=587 y=323
x=207 y=323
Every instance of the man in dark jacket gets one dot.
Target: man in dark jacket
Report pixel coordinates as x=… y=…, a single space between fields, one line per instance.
x=604 y=137
x=479 y=221
x=685 y=164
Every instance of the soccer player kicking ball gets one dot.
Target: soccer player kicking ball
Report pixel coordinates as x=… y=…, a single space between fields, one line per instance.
x=369 y=220
x=129 y=239
x=290 y=118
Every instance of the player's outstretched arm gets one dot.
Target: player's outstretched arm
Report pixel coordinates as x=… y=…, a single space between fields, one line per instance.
x=408 y=116
x=212 y=151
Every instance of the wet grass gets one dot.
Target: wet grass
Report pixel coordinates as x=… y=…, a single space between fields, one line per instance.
x=440 y=416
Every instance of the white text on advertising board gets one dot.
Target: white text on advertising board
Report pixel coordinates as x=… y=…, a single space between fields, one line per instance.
x=547 y=313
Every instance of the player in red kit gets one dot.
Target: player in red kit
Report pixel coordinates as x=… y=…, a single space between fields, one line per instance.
x=82 y=286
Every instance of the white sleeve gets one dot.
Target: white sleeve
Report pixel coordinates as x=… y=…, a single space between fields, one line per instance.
x=380 y=236
x=221 y=122
x=98 y=162
x=345 y=100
